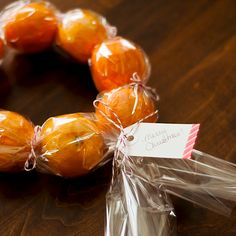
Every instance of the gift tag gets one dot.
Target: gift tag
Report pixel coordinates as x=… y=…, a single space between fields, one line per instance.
x=159 y=140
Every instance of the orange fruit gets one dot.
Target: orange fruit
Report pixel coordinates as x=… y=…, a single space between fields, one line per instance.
x=129 y=104
x=30 y=28
x=80 y=30
x=16 y=134
x=1 y=48
x=71 y=145
x=114 y=62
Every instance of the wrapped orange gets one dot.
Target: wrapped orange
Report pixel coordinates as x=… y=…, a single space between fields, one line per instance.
x=71 y=145
x=114 y=61
x=130 y=103
x=1 y=48
x=29 y=27
x=80 y=30
x=16 y=134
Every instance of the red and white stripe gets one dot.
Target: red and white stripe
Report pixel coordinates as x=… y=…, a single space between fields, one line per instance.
x=191 y=141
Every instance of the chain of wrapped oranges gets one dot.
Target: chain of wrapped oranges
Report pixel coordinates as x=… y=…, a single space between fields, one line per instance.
x=74 y=144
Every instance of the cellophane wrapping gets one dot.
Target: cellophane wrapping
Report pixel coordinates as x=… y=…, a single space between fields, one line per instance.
x=16 y=135
x=69 y=145
x=29 y=26
x=138 y=201
x=76 y=144
x=72 y=145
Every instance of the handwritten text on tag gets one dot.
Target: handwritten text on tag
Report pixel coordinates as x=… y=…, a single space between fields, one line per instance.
x=161 y=140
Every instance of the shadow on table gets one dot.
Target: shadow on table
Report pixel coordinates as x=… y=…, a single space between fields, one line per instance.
x=47 y=197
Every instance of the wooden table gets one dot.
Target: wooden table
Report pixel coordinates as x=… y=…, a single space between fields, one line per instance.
x=192 y=48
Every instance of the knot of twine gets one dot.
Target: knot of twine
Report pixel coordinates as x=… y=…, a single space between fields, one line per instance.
x=30 y=164
x=124 y=137
x=138 y=83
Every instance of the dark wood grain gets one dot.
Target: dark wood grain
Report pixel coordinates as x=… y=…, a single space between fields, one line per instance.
x=192 y=48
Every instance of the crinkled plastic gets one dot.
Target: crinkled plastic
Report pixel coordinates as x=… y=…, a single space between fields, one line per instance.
x=75 y=144
x=138 y=201
x=114 y=61
x=72 y=145
x=29 y=26
x=134 y=205
x=139 y=198
x=16 y=136
x=80 y=30
x=127 y=105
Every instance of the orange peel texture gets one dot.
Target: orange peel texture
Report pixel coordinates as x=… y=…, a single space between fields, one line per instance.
x=71 y=145
x=31 y=28
x=114 y=62
x=79 y=31
x=129 y=105
x=16 y=134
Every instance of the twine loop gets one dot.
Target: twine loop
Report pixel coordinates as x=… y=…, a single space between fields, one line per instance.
x=30 y=164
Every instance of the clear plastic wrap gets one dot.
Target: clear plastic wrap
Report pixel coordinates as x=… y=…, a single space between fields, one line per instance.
x=69 y=145
x=136 y=206
x=80 y=30
x=75 y=144
x=126 y=105
x=114 y=61
x=16 y=136
x=138 y=201
x=72 y=145
x=29 y=26
x=139 y=197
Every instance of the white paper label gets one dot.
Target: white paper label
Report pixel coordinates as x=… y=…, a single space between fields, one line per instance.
x=159 y=140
